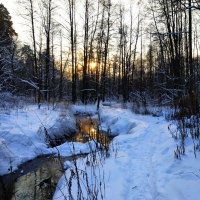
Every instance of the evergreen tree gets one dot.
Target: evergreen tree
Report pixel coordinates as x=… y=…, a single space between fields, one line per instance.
x=7 y=49
x=6 y=27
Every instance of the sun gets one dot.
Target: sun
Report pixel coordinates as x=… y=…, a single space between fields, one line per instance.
x=93 y=65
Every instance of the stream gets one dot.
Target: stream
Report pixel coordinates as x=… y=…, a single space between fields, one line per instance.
x=38 y=178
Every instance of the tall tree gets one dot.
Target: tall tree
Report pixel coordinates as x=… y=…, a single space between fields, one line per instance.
x=72 y=21
x=47 y=25
x=85 y=52
x=190 y=45
x=29 y=7
x=7 y=49
x=6 y=26
x=107 y=5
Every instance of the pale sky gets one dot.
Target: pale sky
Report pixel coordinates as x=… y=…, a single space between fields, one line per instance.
x=18 y=22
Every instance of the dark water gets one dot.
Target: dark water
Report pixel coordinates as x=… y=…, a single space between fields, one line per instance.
x=37 y=179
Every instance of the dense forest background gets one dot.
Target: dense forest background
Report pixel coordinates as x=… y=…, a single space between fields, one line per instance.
x=146 y=52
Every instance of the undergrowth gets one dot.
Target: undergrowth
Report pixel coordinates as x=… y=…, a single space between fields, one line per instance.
x=185 y=126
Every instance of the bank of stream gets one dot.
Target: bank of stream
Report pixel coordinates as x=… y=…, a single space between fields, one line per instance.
x=37 y=179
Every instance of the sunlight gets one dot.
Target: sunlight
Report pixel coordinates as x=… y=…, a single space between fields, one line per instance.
x=93 y=65
x=93 y=131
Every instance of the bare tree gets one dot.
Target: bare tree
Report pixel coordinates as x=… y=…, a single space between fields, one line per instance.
x=46 y=12
x=72 y=21
x=85 y=56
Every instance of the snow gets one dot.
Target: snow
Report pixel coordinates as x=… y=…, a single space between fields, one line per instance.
x=65 y=124
x=119 y=121
x=74 y=148
x=22 y=136
x=141 y=164
x=84 y=109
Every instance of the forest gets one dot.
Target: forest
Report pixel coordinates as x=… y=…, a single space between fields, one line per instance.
x=150 y=55
x=129 y=67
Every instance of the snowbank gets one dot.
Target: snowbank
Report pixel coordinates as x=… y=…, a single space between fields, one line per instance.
x=64 y=125
x=84 y=109
x=75 y=148
x=118 y=121
x=20 y=138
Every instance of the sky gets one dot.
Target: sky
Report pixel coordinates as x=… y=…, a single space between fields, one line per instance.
x=19 y=23
x=13 y=9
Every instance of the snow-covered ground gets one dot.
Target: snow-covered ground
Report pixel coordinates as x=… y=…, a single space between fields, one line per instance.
x=141 y=166
x=22 y=134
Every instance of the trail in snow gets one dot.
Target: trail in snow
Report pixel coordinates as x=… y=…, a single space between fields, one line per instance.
x=134 y=163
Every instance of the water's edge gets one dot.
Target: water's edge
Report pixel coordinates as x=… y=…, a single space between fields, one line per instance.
x=37 y=179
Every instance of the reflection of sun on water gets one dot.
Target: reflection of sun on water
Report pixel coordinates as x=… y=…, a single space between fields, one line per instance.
x=88 y=131
x=93 y=131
